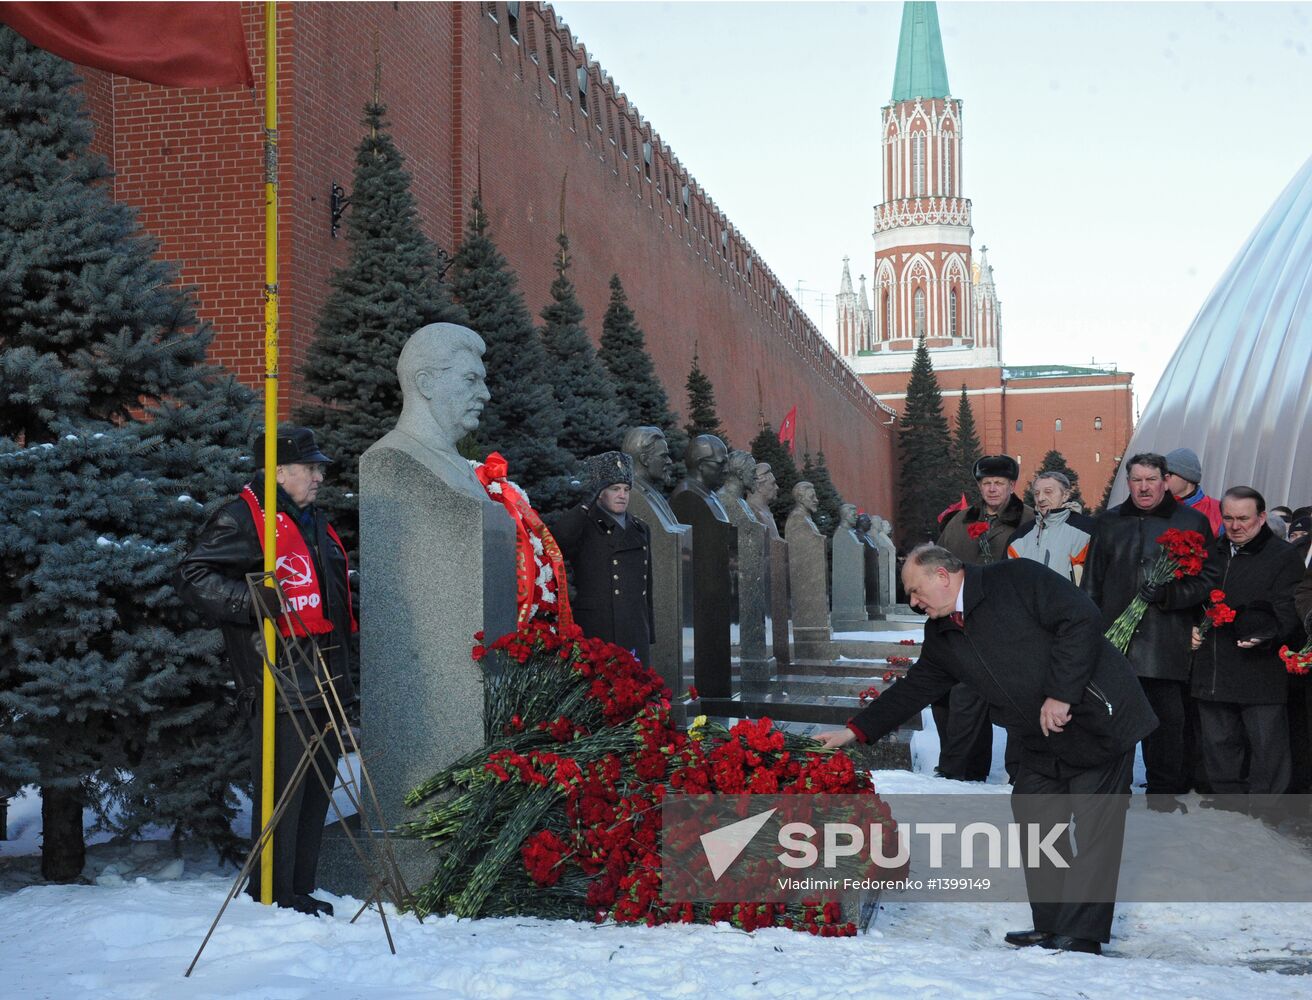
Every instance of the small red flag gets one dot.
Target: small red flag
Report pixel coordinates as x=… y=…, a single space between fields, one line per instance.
x=173 y=44
x=788 y=429
x=961 y=504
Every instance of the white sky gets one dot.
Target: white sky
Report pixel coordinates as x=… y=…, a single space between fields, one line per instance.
x=1117 y=154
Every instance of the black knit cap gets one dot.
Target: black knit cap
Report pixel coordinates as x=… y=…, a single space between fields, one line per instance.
x=997 y=465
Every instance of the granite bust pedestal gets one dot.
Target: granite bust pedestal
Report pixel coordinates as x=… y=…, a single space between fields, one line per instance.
x=887 y=565
x=755 y=635
x=848 y=573
x=759 y=499
x=864 y=525
x=715 y=547
x=671 y=562
x=807 y=577
x=437 y=563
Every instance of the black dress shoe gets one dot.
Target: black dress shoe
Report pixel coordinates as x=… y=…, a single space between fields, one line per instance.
x=1063 y=942
x=304 y=903
x=1025 y=939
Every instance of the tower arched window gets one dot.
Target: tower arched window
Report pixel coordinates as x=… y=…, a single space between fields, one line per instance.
x=920 y=312
x=952 y=313
x=888 y=316
x=1020 y=426
x=1057 y=425
x=918 y=163
x=1097 y=423
x=947 y=166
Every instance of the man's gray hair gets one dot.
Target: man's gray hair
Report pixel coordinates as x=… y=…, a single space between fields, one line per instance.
x=931 y=557
x=1057 y=477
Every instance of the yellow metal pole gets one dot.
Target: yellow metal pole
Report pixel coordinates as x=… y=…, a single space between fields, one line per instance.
x=270 y=418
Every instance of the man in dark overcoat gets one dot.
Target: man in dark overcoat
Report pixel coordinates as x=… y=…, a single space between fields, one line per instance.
x=609 y=555
x=313 y=572
x=978 y=535
x=1032 y=646
x=1122 y=552
x=1239 y=679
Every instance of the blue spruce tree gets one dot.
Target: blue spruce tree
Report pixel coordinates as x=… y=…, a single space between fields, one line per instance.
x=389 y=288
x=116 y=439
x=521 y=420
x=592 y=421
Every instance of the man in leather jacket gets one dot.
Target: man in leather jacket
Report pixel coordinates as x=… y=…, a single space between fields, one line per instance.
x=1122 y=553
x=312 y=569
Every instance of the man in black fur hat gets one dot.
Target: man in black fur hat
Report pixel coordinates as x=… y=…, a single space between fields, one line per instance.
x=978 y=536
x=609 y=555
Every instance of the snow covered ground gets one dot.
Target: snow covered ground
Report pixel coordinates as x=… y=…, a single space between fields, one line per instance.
x=133 y=934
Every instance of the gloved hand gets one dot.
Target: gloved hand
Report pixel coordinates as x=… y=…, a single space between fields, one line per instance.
x=1151 y=593
x=1256 y=622
x=267 y=598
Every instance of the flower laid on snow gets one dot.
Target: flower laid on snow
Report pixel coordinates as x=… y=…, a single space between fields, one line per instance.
x=1182 y=554
x=907 y=642
x=899 y=661
x=558 y=814
x=869 y=694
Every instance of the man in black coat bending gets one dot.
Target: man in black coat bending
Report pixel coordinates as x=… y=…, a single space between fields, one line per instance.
x=609 y=555
x=313 y=572
x=1032 y=646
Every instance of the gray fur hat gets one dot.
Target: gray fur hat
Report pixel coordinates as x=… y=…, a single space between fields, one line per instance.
x=606 y=469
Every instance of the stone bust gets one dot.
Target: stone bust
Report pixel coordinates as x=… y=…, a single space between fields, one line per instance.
x=847 y=516
x=707 y=460
x=762 y=494
x=863 y=525
x=651 y=455
x=652 y=465
x=740 y=476
x=443 y=390
x=805 y=504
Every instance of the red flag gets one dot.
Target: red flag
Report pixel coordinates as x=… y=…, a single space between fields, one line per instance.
x=961 y=504
x=788 y=430
x=174 y=44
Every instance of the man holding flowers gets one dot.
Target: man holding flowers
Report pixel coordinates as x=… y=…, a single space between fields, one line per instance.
x=1239 y=680
x=1124 y=551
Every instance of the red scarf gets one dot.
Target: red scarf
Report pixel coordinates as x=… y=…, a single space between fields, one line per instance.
x=296 y=574
x=536 y=590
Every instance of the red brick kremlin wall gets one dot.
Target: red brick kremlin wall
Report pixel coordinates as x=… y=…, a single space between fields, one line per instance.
x=469 y=102
x=1019 y=417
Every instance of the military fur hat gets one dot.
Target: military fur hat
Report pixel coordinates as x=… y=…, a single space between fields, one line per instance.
x=604 y=470
x=997 y=465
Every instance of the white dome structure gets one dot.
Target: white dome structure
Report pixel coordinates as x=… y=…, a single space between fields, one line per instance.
x=1238 y=390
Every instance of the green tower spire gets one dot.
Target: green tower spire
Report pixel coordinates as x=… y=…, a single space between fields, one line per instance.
x=921 y=68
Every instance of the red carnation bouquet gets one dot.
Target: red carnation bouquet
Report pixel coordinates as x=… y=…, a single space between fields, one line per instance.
x=979 y=530
x=558 y=814
x=1297 y=663
x=1182 y=554
x=1216 y=614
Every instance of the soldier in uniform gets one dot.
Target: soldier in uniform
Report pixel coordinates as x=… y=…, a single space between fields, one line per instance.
x=609 y=556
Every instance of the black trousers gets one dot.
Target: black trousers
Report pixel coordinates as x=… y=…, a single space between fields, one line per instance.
x=1163 y=748
x=1078 y=900
x=966 y=753
x=1228 y=729
x=1300 y=734
x=299 y=833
